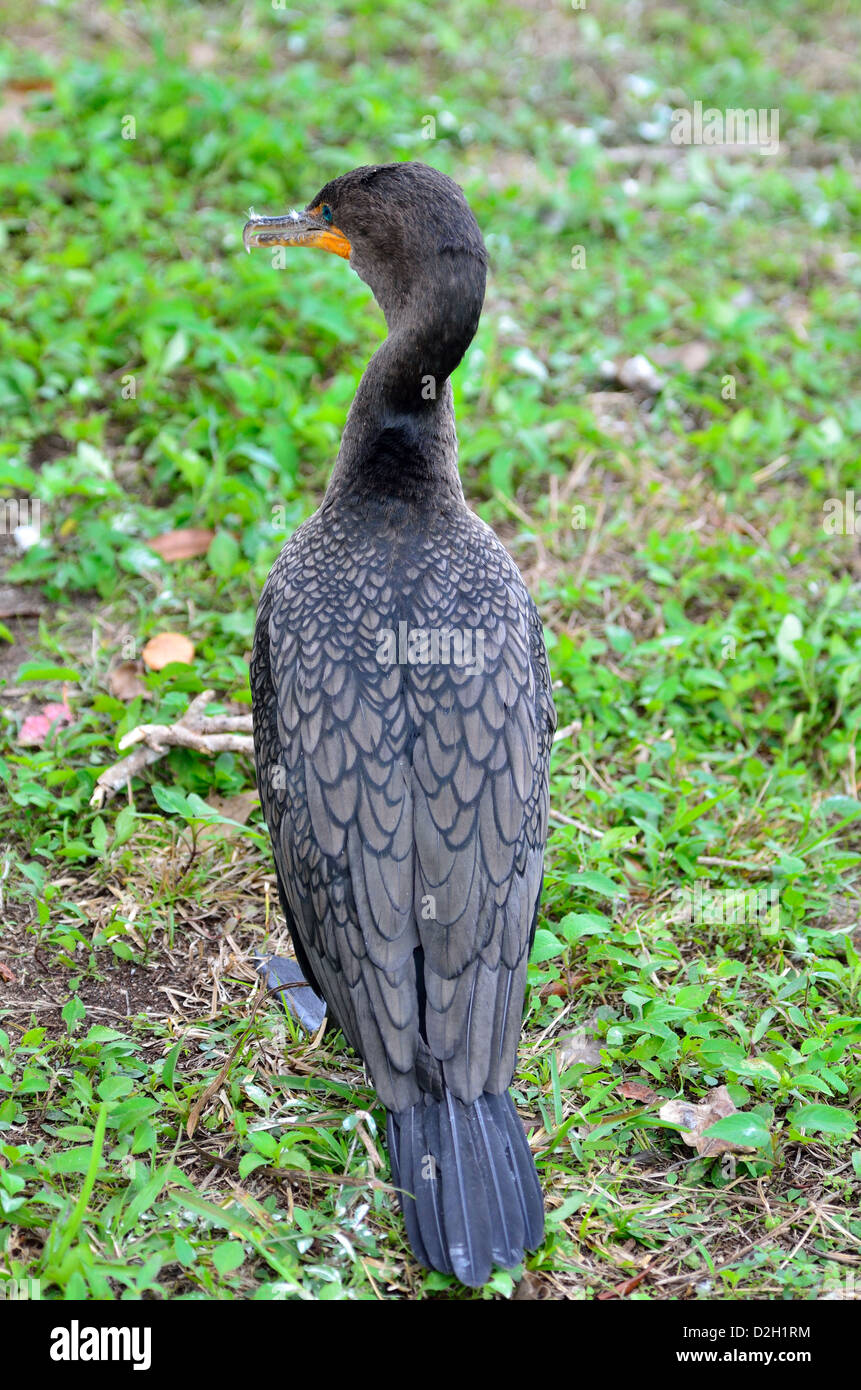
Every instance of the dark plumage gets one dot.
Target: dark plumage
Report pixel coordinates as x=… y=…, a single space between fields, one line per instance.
x=406 y=794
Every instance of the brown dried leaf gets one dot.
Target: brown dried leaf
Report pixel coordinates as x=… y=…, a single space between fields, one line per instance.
x=124 y=680
x=562 y=989
x=182 y=545
x=29 y=84
x=160 y=651
x=694 y=1119
x=558 y=988
x=637 y=1090
x=622 y=1290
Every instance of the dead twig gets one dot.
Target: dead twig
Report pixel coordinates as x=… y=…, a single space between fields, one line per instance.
x=208 y=734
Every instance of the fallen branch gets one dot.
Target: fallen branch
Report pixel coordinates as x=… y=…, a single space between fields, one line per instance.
x=208 y=734
x=201 y=738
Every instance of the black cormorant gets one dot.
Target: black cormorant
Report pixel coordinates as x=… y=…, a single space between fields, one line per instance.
x=402 y=729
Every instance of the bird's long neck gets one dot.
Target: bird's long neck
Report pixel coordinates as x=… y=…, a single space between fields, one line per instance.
x=400 y=438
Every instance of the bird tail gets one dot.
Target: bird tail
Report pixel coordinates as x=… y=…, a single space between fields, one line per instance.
x=467 y=1184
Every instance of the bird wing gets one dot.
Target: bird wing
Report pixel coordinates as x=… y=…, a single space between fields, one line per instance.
x=407 y=801
x=480 y=772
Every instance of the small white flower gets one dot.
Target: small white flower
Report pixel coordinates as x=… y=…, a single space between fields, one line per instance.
x=25 y=537
x=638 y=86
x=528 y=364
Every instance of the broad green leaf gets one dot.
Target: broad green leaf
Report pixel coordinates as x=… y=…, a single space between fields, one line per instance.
x=598 y=883
x=824 y=1119
x=742 y=1128
x=545 y=947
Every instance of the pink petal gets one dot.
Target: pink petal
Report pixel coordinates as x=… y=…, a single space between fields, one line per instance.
x=37 y=727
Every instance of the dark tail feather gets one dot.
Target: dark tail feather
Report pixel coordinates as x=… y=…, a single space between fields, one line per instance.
x=410 y=1139
x=468 y=1187
x=522 y=1165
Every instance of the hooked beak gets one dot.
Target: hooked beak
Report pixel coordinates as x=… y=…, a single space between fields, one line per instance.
x=296 y=229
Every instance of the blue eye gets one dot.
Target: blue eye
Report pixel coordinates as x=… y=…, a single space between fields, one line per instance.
x=326 y=213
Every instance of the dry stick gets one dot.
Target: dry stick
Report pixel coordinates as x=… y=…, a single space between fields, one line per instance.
x=747 y=868
x=160 y=737
x=217 y=733
x=579 y=825
x=795 y=1249
x=836 y=1224
x=114 y=778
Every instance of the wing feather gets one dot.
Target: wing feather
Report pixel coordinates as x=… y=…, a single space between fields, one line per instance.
x=407 y=802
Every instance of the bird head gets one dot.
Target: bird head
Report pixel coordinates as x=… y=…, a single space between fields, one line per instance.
x=406 y=229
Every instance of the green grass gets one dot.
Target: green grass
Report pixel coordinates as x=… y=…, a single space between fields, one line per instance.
x=703 y=623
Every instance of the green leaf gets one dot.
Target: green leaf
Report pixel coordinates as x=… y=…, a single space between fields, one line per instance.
x=248 y=1162
x=183 y=1251
x=37 y=671
x=144 y=1199
x=99 y=1033
x=598 y=883
x=689 y=814
x=743 y=1128
x=169 y=1065
x=125 y=826
x=577 y=924
x=824 y=1119
x=227 y=1256
x=264 y=1143
x=73 y=1012
x=174 y=353
x=172 y=800
x=100 y=836
x=113 y=1087
x=75 y=1160
x=757 y=1068
x=223 y=554
x=545 y=947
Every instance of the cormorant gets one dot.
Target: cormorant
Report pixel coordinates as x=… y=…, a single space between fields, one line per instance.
x=402 y=728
